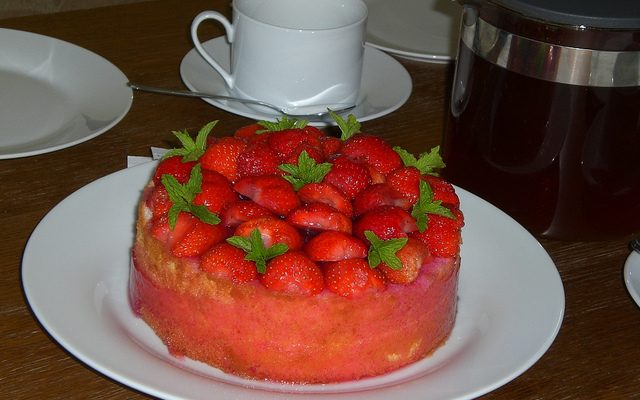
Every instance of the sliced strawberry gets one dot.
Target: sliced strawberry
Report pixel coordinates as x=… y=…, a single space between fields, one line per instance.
x=378 y=195
x=270 y=191
x=216 y=195
x=352 y=277
x=160 y=228
x=348 y=176
x=328 y=194
x=335 y=246
x=406 y=181
x=241 y=211
x=228 y=261
x=373 y=151
x=386 y=222
x=443 y=234
x=412 y=257
x=442 y=190
x=284 y=142
x=173 y=166
x=198 y=239
x=222 y=156
x=319 y=217
x=272 y=230
x=258 y=159
x=330 y=145
x=293 y=273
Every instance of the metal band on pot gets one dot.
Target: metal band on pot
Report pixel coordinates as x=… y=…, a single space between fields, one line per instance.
x=569 y=65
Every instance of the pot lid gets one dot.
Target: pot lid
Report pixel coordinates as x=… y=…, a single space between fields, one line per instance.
x=606 y=14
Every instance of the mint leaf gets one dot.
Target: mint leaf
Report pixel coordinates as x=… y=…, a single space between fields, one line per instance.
x=282 y=124
x=256 y=250
x=427 y=163
x=384 y=251
x=348 y=127
x=191 y=150
x=182 y=196
x=307 y=171
x=426 y=205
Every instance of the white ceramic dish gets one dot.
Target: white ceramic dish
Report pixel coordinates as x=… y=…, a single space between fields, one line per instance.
x=75 y=274
x=386 y=84
x=55 y=94
x=423 y=30
x=632 y=275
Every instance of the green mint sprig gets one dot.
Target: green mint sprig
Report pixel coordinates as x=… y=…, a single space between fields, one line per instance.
x=384 y=250
x=427 y=163
x=348 y=127
x=426 y=205
x=182 y=196
x=282 y=124
x=307 y=171
x=191 y=150
x=256 y=250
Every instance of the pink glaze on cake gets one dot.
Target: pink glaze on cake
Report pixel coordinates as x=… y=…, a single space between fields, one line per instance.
x=250 y=331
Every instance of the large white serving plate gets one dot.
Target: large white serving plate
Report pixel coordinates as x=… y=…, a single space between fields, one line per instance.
x=75 y=274
x=55 y=94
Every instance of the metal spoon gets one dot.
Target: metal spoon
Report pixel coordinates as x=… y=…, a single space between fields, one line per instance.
x=635 y=245
x=313 y=111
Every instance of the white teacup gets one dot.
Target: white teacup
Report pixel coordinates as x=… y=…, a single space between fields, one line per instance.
x=292 y=52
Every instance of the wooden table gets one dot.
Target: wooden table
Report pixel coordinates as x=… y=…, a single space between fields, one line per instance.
x=595 y=355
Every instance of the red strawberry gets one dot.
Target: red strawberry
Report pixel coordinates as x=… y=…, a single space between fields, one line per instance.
x=222 y=156
x=386 y=222
x=442 y=190
x=285 y=142
x=319 y=217
x=373 y=151
x=257 y=160
x=406 y=181
x=270 y=191
x=330 y=145
x=272 y=230
x=352 y=277
x=241 y=211
x=328 y=194
x=335 y=246
x=378 y=195
x=312 y=151
x=215 y=195
x=198 y=239
x=248 y=131
x=443 y=234
x=158 y=201
x=228 y=261
x=173 y=166
x=348 y=176
x=412 y=256
x=160 y=228
x=294 y=273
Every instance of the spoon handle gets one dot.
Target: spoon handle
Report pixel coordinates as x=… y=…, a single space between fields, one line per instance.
x=635 y=244
x=187 y=93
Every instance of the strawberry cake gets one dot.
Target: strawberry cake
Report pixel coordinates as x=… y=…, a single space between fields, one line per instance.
x=282 y=253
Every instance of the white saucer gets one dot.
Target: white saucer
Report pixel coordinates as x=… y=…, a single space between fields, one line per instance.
x=632 y=275
x=55 y=94
x=386 y=84
x=75 y=274
x=423 y=30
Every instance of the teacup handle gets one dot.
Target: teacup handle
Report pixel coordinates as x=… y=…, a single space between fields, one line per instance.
x=228 y=27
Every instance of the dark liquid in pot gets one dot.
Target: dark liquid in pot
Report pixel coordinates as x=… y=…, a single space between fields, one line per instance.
x=563 y=160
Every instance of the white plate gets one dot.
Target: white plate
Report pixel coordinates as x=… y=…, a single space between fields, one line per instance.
x=424 y=30
x=55 y=94
x=386 y=84
x=632 y=275
x=76 y=269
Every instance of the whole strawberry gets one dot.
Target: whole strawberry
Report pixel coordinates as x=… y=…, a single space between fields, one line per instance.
x=293 y=273
x=352 y=277
x=348 y=176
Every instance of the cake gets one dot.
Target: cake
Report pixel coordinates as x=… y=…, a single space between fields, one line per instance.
x=285 y=254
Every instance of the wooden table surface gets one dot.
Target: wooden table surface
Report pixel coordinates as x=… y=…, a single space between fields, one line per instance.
x=596 y=354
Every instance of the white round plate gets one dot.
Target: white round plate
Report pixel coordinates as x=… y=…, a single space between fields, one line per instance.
x=423 y=30
x=385 y=87
x=55 y=94
x=75 y=274
x=632 y=275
